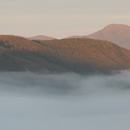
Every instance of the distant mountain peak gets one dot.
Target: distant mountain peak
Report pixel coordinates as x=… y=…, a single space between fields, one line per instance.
x=116 y=33
x=117 y=27
x=41 y=37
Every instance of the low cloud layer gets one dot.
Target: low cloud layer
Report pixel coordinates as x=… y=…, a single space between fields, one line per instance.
x=67 y=101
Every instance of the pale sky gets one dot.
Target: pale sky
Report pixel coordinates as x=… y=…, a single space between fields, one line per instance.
x=60 y=18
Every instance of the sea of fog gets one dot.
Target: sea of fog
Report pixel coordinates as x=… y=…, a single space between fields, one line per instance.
x=67 y=101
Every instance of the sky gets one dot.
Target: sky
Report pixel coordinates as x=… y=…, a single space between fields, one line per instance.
x=60 y=18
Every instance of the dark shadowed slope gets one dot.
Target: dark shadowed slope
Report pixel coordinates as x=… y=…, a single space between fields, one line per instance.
x=67 y=55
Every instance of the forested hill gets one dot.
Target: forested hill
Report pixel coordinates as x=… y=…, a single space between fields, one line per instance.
x=67 y=55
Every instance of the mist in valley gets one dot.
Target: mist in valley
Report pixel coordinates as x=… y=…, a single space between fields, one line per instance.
x=66 y=101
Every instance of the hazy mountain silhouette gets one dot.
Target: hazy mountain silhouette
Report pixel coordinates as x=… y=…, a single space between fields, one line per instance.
x=41 y=37
x=116 y=33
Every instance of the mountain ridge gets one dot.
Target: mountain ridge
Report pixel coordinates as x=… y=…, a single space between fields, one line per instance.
x=66 y=55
